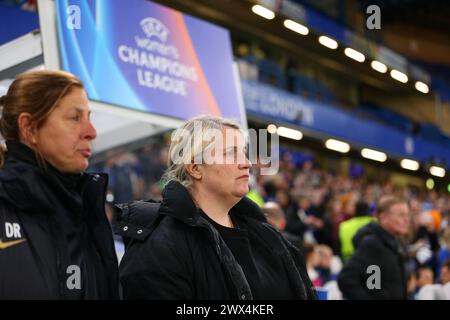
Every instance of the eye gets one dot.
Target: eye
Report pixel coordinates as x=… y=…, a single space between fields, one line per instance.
x=230 y=151
x=76 y=118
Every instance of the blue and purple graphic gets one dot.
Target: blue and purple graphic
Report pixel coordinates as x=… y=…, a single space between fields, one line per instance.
x=144 y=56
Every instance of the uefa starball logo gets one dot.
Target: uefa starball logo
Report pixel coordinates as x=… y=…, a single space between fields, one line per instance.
x=155 y=38
x=152 y=27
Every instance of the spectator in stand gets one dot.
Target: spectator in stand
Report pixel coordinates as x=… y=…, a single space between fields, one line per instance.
x=311 y=175
x=344 y=209
x=444 y=251
x=283 y=199
x=320 y=224
x=424 y=276
x=445 y=280
x=349 y=228
x=328 y=268
x=426 y=289
x=151 y=169
x=378 y=244
x=312 y=261
x=427 y=235
x=305 y=221
x=324 y=265
x=275 y=216
x=334 y=213
x=411 y=285
x=254 y=194
x=120 y=175
x=296 y=215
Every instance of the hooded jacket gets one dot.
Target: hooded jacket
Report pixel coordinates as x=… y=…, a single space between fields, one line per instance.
x=377 y=269
x=55 y=240
x=173 y=252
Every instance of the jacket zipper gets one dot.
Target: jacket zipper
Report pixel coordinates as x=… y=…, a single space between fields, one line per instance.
x=60 y=282
x=58 y=259
x=240 y=295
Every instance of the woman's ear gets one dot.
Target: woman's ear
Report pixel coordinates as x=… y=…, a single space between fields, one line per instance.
x=194 y=171
x=27 y=130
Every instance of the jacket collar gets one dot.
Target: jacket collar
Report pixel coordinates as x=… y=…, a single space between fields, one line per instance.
x=375 y=229
x=20 y=151
x=27 y=186
x=388 y=239
x=177 y=202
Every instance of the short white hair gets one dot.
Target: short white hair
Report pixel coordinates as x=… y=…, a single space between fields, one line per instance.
x=208 y=125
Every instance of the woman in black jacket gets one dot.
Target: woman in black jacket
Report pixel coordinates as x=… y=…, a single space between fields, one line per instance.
x=206 y=240
x=55 y=240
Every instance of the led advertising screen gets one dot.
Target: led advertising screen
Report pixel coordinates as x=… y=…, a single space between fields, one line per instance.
x=144 y=56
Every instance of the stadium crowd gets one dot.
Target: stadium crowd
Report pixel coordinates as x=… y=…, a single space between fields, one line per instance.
x=318 y=211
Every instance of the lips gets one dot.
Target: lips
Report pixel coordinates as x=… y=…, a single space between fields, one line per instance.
x=245 y=176
x=86 y=152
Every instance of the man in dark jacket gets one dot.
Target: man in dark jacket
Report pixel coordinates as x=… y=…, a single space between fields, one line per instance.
x=55 y=240
x=377 y=269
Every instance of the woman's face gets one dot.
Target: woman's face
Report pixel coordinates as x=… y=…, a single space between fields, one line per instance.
x=65 y=138
x=228 y=178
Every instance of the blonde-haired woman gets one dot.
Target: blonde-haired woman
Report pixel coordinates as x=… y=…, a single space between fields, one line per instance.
x=206 y=240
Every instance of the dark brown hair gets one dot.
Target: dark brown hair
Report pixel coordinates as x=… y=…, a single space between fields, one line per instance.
x=37 y=93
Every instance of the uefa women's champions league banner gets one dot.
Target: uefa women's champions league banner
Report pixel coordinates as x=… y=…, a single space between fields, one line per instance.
x=147 y=57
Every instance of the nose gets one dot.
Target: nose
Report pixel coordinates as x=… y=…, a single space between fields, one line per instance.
x=89 y=131
x=246 y=164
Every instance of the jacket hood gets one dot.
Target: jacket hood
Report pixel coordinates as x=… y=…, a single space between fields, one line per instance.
x=367 y=230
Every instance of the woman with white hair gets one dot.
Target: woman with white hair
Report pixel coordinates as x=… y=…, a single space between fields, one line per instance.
x=206 y=240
